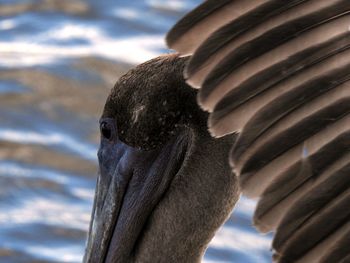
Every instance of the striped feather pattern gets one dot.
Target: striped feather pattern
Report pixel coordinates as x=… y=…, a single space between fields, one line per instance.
x=278 y=75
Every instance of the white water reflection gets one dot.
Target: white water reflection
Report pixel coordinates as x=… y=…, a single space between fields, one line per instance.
x=49 y=211
x=11 y=169
x=177 y=5
x=58 y=254
x=239 y=240
x=50 y=139
x=133 y=50
x=7 y=24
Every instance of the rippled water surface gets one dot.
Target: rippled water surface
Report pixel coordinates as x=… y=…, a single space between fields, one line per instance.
x=58 y=61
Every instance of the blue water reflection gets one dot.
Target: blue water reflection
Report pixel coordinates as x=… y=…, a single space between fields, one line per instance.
x=58 y=61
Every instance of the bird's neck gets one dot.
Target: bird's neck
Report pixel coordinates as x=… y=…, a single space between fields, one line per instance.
x=199 y=200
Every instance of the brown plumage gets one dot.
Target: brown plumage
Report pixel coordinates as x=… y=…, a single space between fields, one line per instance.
x=164 y=187
x=277 y=74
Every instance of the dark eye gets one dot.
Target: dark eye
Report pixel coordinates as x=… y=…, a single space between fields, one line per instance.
x=106 y=130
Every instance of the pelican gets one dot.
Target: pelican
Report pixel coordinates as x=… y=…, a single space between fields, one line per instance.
x=270 y=119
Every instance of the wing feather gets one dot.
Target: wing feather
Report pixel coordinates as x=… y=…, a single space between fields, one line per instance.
x=278 y=74
x=230 y=36
x=254 y=184
x=272 y=47
x=313 y=230
x=194 y=28
x=286 y=190
x=299 y=125
x=231 y=113
x=340 y=250
x=331 y=249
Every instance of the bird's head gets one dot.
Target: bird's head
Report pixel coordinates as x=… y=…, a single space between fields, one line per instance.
x=154 y=136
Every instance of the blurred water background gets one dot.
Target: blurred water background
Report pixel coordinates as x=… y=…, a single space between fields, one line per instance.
x=58 y=61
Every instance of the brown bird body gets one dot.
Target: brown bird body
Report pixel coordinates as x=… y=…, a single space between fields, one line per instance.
x=274 y=74
x=151 y=120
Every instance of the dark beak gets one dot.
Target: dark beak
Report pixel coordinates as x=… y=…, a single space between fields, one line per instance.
x=131 y=183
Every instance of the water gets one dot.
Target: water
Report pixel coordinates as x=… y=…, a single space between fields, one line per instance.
x=58 y=61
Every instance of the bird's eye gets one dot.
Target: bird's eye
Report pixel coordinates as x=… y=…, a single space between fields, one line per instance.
x=106 y=130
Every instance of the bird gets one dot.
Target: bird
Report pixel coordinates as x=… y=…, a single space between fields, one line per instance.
x=255 y=101
x=163 y=189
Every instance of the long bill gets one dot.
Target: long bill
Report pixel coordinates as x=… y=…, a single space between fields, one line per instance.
x=130 y=184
